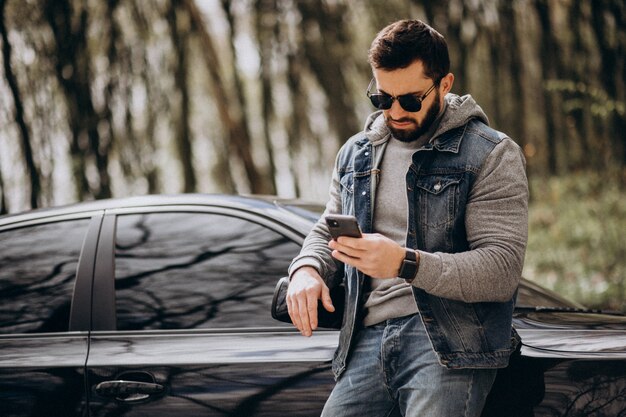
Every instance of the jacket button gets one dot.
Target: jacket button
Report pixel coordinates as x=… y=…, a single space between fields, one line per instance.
x=364 y=193
x=437 y=187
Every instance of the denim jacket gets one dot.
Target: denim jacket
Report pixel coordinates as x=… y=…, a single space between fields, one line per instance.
x=439 y=182
x=471 y=237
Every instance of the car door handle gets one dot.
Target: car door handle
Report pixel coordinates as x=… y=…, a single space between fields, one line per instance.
x=128 y=391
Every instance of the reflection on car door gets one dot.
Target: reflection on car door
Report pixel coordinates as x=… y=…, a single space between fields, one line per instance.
x=194 y=335
x=204 y=374
x=41 y=361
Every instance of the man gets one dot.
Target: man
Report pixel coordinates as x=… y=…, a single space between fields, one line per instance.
x=430 y=287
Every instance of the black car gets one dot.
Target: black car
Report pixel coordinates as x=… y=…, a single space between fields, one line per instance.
x=160 y=306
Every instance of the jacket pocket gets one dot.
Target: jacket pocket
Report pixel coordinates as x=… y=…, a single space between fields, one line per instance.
x=438 y=199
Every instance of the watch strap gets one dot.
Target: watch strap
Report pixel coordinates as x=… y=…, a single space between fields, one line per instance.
x=409 y=266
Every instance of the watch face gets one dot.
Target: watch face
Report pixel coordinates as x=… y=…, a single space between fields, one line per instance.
x=409 y=266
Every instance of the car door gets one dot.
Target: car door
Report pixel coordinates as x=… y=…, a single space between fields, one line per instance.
x=45 y=272
x=193 y=334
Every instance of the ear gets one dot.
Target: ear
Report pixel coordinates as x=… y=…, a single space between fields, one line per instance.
x=446 y=84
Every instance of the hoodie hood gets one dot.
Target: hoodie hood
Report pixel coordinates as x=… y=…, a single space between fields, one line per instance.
x=457 y=111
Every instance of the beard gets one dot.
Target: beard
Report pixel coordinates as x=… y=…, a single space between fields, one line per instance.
x=410 y=135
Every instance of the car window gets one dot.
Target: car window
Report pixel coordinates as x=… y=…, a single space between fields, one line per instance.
x=196 y=270
x=37 y=273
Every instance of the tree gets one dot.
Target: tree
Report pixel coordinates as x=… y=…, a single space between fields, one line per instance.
x=73 y=74
x=179 y=26
x=24 y=132
x=152 y=96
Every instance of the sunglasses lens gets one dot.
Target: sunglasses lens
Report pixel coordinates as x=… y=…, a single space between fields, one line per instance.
x=381 y=101
x=410 y=103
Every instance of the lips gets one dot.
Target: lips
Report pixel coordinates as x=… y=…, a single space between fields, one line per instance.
x=401 y=123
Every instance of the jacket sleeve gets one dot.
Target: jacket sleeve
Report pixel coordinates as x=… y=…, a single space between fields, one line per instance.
x=497 y=231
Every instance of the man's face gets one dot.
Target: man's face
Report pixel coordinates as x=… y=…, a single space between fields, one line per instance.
x=404 y=125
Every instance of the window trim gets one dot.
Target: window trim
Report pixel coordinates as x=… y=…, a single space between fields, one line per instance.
x=103 y=314
x=80 y=311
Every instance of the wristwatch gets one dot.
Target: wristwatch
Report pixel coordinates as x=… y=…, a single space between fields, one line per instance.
x=409 y=266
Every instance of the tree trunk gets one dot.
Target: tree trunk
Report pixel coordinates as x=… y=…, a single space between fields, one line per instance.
x=234 y=131
x=265 y=33
x=137 y=157
x=326 y=47
x=114 y=35
x=582 y=113
x=516 y=71
x=179 y=35
x=613 y=69
x=73 y=73
x=297 y=128
x=550 y=71
x=25 y=141
x=3 y=202
x=244 y=146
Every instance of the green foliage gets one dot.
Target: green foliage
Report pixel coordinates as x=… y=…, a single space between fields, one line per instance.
x=578 y=94
x=576 y=240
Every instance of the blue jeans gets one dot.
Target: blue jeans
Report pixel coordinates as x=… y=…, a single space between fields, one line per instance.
x=393 y=371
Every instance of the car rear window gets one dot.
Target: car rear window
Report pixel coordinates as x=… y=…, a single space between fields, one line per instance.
x=37 y=273
x=197 y=270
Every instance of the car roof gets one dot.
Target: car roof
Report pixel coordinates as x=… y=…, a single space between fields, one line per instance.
x=259 y=203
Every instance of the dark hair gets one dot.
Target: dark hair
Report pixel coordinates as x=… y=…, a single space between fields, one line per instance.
x=402 y=43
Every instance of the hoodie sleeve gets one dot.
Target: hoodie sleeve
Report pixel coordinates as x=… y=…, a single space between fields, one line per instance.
x=497 y=231
x=315 y=251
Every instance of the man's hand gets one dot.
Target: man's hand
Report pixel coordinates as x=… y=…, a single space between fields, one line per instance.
x=373 y=254
x=305 y=289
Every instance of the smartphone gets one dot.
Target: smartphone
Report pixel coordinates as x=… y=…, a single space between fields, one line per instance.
x=342 y=225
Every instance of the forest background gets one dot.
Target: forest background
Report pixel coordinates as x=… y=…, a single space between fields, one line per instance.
x=123 y=97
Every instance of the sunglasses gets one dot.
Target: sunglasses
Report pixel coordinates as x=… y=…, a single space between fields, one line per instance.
x=409 y=102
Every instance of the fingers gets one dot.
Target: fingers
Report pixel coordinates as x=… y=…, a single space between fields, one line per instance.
x=294 y=312
x=311 y=312
x=327 y=302
x=304 y=291
x=302 y=310
x=350 y=242
x=373 y=254
x=346 y=248
x=299 y=311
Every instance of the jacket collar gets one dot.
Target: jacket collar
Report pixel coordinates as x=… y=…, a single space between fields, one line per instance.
x=450 y=141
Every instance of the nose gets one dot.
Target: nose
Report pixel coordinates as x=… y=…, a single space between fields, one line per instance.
x=396 y=111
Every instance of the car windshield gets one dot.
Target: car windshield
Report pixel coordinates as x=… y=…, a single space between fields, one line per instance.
x=531 y=295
